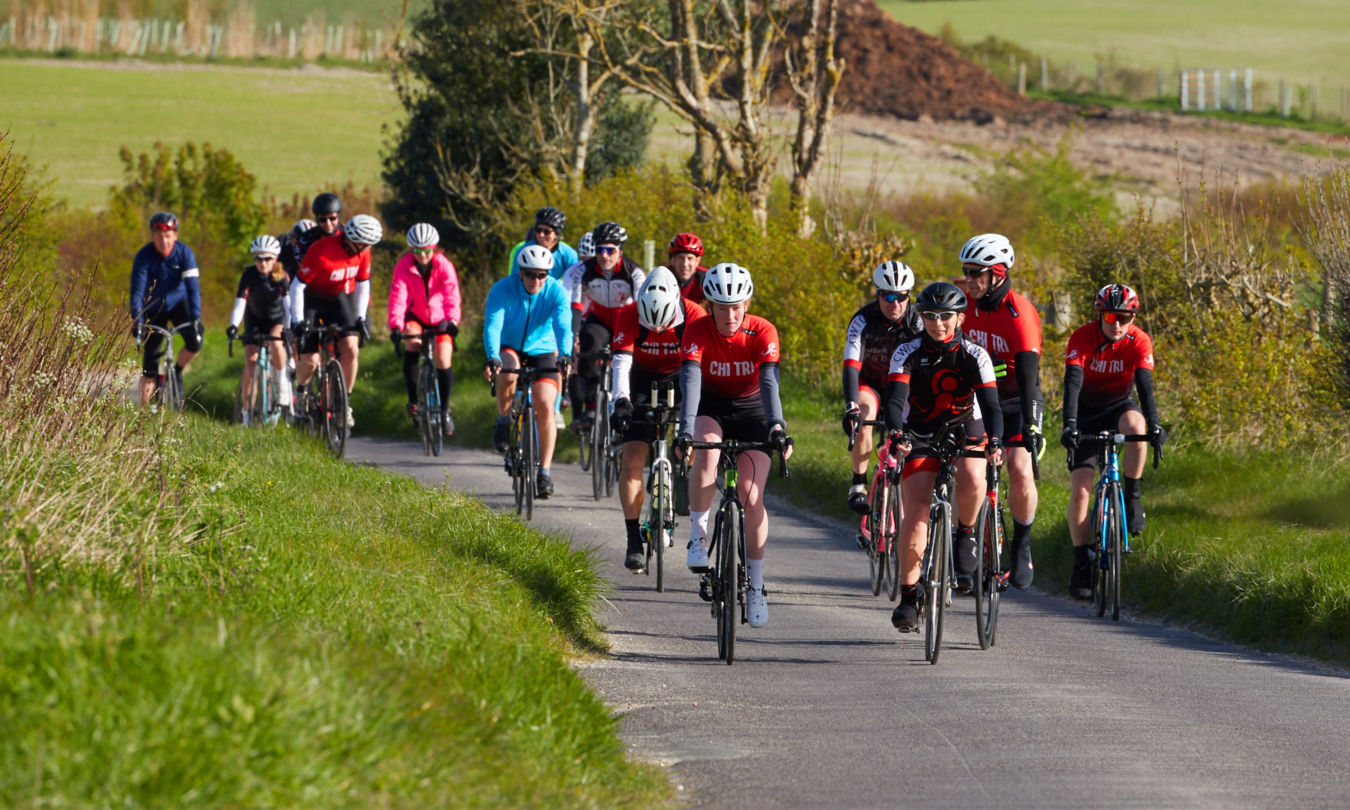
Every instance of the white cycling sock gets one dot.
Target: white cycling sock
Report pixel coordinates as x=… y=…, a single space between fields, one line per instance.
x=756 y=569
x=283 y=389
x=698 y=526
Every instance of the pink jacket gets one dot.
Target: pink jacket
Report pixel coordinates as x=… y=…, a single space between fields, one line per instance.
x=408 y=293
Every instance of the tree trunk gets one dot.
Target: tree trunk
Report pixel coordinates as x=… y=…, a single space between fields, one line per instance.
x=585 y=122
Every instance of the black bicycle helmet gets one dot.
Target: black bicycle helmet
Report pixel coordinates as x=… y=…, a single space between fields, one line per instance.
x=609 y=233
x=326 y=203
x=163 y=221
x=941 y=296
x=552 y=217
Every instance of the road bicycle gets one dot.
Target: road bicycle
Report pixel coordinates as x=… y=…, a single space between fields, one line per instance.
x=600 y=452
x=991 y=579
x=262 y=404
x=658 y=530
x=879 y=529
x=428 y=416
x=168 y=387
x=725 y=585
x=325 y=395
x=1110 y=527
x=522 y=452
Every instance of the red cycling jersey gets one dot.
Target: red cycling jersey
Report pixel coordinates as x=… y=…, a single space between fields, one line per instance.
x=1014 y=327
x=730 y=366
x=1108 y=368
x=657 y=352
x=693 y=288
x=329 y=271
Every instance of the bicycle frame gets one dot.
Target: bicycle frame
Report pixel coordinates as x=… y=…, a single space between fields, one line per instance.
x=1110 y=520
x=878 y=530
x=604 y=461
x=261 y=403
x=522 y=456
x=166 y=382
x=659 y=527
x=327 y=416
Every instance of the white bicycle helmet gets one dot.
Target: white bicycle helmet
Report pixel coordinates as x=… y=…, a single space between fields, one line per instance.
x=728 y=283
x=893 y=276
x=302 y=225
x=423 y=235
x=363 y=229
x=265 y=245
x=535 y=257
x=658 y=300
x=987 y=250
x=586 y=246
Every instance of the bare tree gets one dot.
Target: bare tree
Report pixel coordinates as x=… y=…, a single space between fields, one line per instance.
x=814 y=72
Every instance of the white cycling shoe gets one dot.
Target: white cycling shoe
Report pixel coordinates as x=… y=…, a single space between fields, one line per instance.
x=697 y=559
x=756 y=607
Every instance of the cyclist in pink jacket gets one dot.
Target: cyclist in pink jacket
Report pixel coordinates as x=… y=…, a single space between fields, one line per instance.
x=424 y=300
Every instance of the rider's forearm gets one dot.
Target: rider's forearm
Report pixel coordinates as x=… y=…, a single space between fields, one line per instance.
x=897 y=394
x=1073 y=385
x=298 y=301
x=237 y=314
x=1028 y=384
x=769 y=395
x=1143 y=382
x=850 y=383
x=620 y=366
x=691 y=388
x=987 y=396
x=362 y=298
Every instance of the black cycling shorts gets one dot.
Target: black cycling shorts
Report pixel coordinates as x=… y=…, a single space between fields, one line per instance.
x=1085 y=455
x=549 y=360
x=339 y=312
x=1013 y=423
x=640 y=429
x=167 y=319
x=253 y=329
x=741 y=419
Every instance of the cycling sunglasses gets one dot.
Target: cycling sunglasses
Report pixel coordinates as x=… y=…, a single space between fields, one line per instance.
x=1118 y=317
x=606 y=249
x=424 y=251
x=893 y=297
x=533 y=276
x=938 y=316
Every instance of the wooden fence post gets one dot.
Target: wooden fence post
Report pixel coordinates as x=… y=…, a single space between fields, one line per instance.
x=1045 y=76
x=1101 y=78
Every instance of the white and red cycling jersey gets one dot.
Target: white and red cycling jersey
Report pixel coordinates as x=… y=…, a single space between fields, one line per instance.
x=729 y=366
x=656 y=353
x=602 y=295
x=329 y=271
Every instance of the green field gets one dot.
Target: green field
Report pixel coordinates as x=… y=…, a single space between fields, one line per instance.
x=1303 y=41
x=296 y=130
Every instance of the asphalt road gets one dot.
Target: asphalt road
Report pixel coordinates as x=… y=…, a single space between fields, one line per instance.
x=828 y=707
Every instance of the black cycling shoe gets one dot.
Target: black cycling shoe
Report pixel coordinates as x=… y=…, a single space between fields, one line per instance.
x=413 y=413
x=1022 y=572
x=963 y=553
x=1134 y=515
x=1080 y=579
x=543 y=486
x=447 y=423
x=500 y=432
x=636 y=558
x=857 y=499
x=965 y=584
x=905 y=617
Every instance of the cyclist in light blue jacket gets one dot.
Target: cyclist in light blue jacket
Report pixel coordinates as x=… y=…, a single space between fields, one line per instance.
x=527 y=322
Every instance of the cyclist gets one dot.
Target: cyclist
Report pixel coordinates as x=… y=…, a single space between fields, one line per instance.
x=424 y=299
x=333 y=288
x=1103 y=360
x=547 y=231
x=873 y=335
x=264 y=297
x=165 y=289
x=289 y=241
x=729 y=379
x=526 y=325
x=685 y=250
x=646 y=350
x=1006 y=325
x=604 y=287
x=947 y=382
x=327 y=208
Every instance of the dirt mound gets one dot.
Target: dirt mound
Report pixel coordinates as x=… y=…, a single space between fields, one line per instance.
x=893 y=69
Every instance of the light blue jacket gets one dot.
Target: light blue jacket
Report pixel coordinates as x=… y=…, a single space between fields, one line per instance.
x=530 y=324
x=564 y=256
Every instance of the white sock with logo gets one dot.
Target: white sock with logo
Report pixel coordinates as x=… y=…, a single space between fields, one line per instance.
x=756 y=570
x=283 y=388
x=698 y=527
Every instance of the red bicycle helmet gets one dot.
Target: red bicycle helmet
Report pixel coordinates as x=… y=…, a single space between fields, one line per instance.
x=1116 y=298
x=685 y=243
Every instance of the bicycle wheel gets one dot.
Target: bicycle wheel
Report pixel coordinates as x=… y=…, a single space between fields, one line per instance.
x=1101 y=519
x=986 y=575
x=431 y=404
x=728 y=616
x=530 y=443
x=170 y=393
x=1115 y=543
x=584 y=451
x=272 y=410
x=238 y=418
x=876 y=542
x=335 y=408
x=935 y=595
x=891 y=533
x=423 y=418
x=599 y=431
x=515 y=465
x=659 y=527
x=257 y=410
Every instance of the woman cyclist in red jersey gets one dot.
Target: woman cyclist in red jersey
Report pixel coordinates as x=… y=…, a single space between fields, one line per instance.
x=262 y=303
x=685 y=250
x=646 y=349
x=1103 y=360
x=730 y=382
x=873 y=334
x=1006 y=325
x=947 y=382
x=424 y=299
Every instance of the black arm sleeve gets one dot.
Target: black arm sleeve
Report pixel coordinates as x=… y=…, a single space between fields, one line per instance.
x=990 y=411
x=897 y=394
x=691 y=388
x=1143 y=382
x=1073 y=385
x=769 y=396
x=576 y=323
x=850 y=383
x=1029 y=385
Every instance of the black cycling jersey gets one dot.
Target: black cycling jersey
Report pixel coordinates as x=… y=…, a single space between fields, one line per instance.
x=264 y=296
x=941 y=383
x=869 y=344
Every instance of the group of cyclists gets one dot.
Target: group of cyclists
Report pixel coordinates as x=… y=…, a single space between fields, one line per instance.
x=960 y=359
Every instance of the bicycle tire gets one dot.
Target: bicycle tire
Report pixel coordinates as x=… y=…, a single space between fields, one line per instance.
x=271 y=413
x=584 y=452
x=531 y=444
x=935 y=598
x=423 y=418
x=986 y=575
x=434 y=408
x=257 y=413
x=238 y=416
x=658 y=527
x=1101 y=516
x=891 y=532
x=876 y=521
x=514 y=462
x=170 y=396
x=1115 y=544
x=726 y=572
x=335 y=407
x=597 y=456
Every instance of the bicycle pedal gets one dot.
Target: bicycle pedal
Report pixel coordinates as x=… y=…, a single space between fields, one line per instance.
x=1002 y=582
x=861 y=541
x=705 y=589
